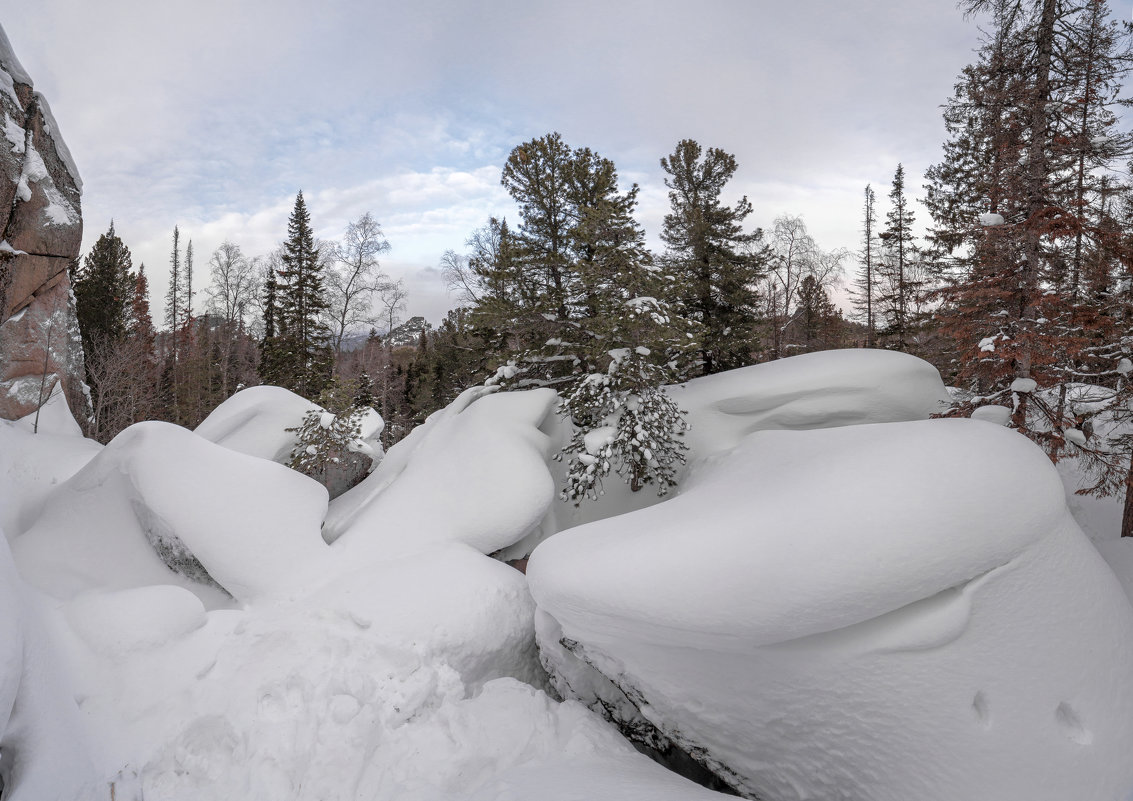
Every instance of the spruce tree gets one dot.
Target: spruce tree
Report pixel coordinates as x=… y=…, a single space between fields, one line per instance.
x=899 y=286
x=304 y=358
x=175 y=295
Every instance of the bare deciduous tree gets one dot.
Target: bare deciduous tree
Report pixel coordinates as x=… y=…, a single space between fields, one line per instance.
x=235 y=283
x=353 y=278
x=393 y=303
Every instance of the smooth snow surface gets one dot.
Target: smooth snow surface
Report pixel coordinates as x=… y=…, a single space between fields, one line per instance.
x=31 y=467
x=812 y=390
x=869 y=645
x=487 y=453
x=54 y=417
x=825 y=610
x=254 y=422
x=253 y=526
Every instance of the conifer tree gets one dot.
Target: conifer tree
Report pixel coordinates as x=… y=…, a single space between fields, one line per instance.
x=897 y=296
x=302 y=359
x=104 y=289
x=175 y=295
x=866 y=288
x=1019 y=206
x=715 y=264
x=574 y=299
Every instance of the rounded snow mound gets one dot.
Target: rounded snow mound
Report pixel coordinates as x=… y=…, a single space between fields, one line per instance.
x=255 y=420
x=884 y=612
x=161 y=505
x=481 y=466
x=886 y=515
x=812 y=390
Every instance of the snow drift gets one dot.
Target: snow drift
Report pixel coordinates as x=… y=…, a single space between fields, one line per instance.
x=475 y=472
x=875 y=612
x=161 y=505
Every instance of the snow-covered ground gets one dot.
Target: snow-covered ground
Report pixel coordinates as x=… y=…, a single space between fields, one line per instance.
x=843 y=600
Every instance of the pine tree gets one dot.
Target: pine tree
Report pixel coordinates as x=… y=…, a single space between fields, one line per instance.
x=714 y=262
x=572 y=302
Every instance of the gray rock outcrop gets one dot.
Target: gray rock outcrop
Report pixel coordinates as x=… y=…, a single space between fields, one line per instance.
x=41 y=229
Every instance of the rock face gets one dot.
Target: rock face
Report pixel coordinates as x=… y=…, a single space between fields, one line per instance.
x=41 y=229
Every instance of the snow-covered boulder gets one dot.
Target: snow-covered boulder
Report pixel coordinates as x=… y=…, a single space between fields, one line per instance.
x=480 y=464
x=255 y=420
x=160 y=497
x=31 y=468
x=870 y=613
x=53 y=417
x=43 y=754
x=812 y=390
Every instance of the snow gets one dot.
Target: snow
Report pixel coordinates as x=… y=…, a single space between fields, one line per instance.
x=54 y=417
x=813 y=390
x=487 y=451
x=836 y=604
x=990 y=219
x=1024 y=385
x=61 y=149
x=9 y=63
x=254 y=422
x=31 y=467
x=15 y=135
x=941 y=556
x=1118 y=554
x=137 y=618
x=999 y=415
x=253 y=526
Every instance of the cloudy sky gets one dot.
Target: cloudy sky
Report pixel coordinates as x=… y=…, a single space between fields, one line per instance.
x=210 y=115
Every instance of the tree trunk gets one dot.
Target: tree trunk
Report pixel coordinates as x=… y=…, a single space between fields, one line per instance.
x=1127 y=514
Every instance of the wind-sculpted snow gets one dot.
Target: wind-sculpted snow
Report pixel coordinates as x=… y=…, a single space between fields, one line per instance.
x=161 y=505
x=31 y=468
x=43 y=753
x=812 y=390
x=254 y=421
x=815 y=390
x=874 y=613
x=475 y=472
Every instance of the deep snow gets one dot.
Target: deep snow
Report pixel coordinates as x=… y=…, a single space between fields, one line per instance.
x=835 y=602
